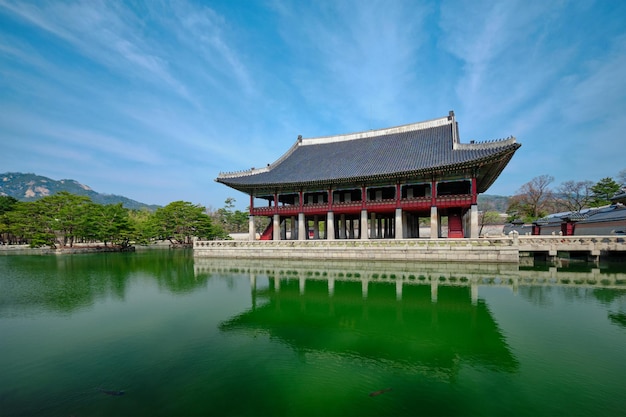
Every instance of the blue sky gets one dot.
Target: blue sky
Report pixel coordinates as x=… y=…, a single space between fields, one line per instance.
x=151 y=100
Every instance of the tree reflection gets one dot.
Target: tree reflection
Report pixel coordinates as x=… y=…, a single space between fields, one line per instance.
x=618 y=318
x=66 y=283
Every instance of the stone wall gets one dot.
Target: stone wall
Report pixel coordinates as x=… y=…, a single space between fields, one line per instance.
x=436 y=250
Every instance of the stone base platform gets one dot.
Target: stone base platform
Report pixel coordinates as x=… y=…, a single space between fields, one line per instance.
x=427 y=250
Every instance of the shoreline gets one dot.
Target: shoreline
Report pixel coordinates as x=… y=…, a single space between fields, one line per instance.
x=78 y=248
x=27 y=250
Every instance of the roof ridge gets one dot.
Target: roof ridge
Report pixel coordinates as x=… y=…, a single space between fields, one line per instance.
x=427 y=124
x=487 y=144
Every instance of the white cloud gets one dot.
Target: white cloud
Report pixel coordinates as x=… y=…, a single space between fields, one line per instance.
x=358 y=58
x=227 y=87
x=84 y=143
x=105 y=33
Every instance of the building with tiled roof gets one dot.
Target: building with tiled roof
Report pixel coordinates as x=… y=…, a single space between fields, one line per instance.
x=620 y=197
x=375 y=184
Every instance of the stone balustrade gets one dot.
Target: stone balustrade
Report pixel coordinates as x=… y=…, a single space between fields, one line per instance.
x=505 y=249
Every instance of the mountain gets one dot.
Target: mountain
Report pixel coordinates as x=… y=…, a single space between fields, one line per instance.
x=30 y=187
x=487 y=202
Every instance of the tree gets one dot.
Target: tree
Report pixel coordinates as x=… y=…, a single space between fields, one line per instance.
x=66 y=214
x=180 y=221
x=63 y=218
x=231 y=221
x=30 y=222
x=533 y=200
x=575 y=195
x=488 y=218
x=7 y=203
x=111 y=224
x=143 y=224
x=603 y=191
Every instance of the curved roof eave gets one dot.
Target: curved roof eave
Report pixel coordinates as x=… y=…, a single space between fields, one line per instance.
x=497 y=162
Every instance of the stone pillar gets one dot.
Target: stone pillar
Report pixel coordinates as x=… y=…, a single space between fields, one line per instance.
x=387 y=227
x=474 y=221
x=342 y=226
x=251 y=231
x=433 y=290
x=373 y=226
x=294 y=230
x=316 y=227
x=416 y=226
x=363 y=225
x=434 y=223
x=406 y=229
x=276 y=227
x=399 y=224
x=330 y=226
x=302 y=232
x=283 y=230
x=364 y=287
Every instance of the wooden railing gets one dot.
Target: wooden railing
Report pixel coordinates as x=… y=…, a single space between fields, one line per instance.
x=354 y=207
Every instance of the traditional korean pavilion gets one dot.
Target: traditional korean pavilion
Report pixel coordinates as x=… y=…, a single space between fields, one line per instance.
x=375 y=184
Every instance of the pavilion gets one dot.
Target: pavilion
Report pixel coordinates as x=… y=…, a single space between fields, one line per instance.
x=374 y=184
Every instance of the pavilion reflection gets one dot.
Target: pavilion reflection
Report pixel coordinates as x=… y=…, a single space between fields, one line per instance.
x=419 y=326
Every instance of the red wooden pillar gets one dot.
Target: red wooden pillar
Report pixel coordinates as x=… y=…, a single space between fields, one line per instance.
x=433 y=193
x=398 y=195
x=474 y=193
x=363 y=197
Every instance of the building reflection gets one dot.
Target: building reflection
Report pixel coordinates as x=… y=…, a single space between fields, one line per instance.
x=426 y=317
x=432 y=327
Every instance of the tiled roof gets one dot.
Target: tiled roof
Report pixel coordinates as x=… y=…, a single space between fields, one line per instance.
x=415 y=150
x=620 y=197
x=590 y=215
x=611 y=213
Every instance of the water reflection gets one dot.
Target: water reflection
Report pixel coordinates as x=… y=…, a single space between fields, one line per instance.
x=426 y=316
x=420 y=326
x=533 y=284
x=69 y=283
x=291 y=338
x=618 y=318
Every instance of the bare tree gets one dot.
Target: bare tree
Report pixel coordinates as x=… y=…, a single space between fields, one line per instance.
x=534 y=199
x=621 y=177
x=488 y=218
x=575 y=195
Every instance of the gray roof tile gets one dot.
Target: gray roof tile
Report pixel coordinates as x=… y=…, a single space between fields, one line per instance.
x=395 y=152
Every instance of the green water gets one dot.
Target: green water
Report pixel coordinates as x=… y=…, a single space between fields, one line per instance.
x=198 y=337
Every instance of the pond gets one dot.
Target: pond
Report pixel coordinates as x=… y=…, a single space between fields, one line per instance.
x=159 y=333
